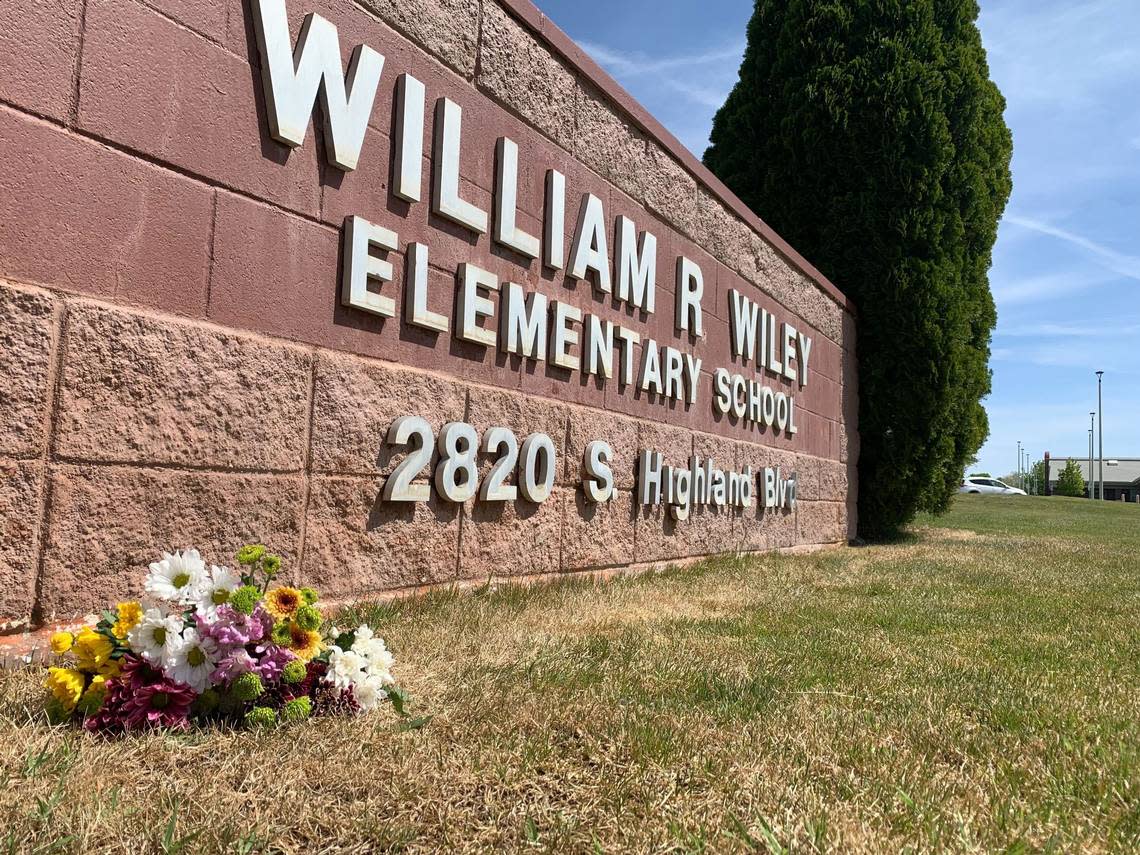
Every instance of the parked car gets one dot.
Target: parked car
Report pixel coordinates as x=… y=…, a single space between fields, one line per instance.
x=989 y=485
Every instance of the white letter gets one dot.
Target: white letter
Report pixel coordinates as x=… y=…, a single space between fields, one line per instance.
x=721 y=401
x=473 y=306
x=650 y=368
x=692 y=374
x=293 y=79
x=743 y=317
x=637 y=265
x=649 y=477
x=555 y=227
x=523 y=322
x=563 y=338
x=445 y=199
x=628 y=339
x=408 y=166
x=690 y=289
x=789 y=338
x=415 y=299
x=599 y=347
x=805 y=355
x=507 y=197
x=597 y=477
x=674 y=366
x=590 y=251
x=360 y=266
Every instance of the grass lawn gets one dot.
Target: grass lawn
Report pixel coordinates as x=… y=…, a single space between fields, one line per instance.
x=974 y=688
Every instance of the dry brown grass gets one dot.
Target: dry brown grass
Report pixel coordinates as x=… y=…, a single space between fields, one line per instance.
x=961 y=693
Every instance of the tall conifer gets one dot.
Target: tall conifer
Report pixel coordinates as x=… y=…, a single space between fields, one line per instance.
x=868 y=134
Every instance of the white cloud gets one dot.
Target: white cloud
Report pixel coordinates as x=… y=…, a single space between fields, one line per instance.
x=636 y=62
x=1035 y=289
x=1108 y=258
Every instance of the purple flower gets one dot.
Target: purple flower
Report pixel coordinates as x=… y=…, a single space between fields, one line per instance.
x=231 y=628
x=235 y=663
x=271 y=661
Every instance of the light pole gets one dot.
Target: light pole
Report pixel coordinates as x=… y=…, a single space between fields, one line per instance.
x=1019 y=460
x=1092 y=481
x=1100 y=441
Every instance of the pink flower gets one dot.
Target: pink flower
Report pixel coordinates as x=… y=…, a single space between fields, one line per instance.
x=141 y=697
x=271 y=661
x=235 y=664
x=231 y=628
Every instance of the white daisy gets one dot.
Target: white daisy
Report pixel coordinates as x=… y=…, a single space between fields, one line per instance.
x=154 y=636
x=215 y=590
x=176 y=578
x=192 y=659
x=380 y=659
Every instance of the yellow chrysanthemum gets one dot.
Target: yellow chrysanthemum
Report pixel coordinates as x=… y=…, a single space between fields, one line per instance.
x=61 y=642
x=66 y=686
x=92 y=650
x=92 y=699
x=282 y=602
x=130 y=613
x=305 y=644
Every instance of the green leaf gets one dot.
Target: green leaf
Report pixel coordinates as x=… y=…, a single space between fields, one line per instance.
x=414 y=723
x=399 y=699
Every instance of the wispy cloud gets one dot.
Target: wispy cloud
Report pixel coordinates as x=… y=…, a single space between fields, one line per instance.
x=1085 y=329
x=635 y=62
x=1108 y=258
x=1048 y=286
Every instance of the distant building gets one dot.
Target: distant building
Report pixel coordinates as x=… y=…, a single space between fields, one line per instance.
x=1121 y=475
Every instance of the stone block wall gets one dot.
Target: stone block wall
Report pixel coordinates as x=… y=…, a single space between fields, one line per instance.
x=178 y=369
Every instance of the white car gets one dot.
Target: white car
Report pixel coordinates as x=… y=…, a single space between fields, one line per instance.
x=993 y=486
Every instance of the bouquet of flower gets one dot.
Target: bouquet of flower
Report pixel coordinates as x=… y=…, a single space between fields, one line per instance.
x=216 y=645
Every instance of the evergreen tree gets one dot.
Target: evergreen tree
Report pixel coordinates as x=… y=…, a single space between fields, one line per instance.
x=869 y=135
x=1071 y=482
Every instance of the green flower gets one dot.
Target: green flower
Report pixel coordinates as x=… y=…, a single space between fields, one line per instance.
x=309 y=595
x=280 y=634
x=272 y=564
x=247 y=687
x=294 y=672
x=260 y=717
x=307 y=617
x=250 y=554
x=206 y=703
x=297 y=709
x=245 y=599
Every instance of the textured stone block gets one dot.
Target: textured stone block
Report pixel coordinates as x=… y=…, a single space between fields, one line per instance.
x=447 y=28
x=26 y=324
x=767 y=529
x=355 y=403
x=609 y=145
x=707 y=531
x=155 y=87
x=671 y=192
x=832 y=481
x=108 y=523
x=20 y=485
x=39 y=41
x=818 y=522
x=82 y=217
x=356 y=544
x=138 y=389
x=597 y=534
x=524 y=75
x=511 y=538
x=587 y=425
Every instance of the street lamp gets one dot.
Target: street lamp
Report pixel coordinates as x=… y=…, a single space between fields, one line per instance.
x=1019 y=460
x=1100 y=441
x=1092 y=482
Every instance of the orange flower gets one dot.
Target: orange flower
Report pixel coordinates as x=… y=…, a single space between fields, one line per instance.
x=283 y=602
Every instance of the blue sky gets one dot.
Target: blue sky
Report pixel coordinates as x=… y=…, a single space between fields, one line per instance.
x=1066 y=272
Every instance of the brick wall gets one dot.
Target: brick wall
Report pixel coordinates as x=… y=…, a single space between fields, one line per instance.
x=178 y=368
